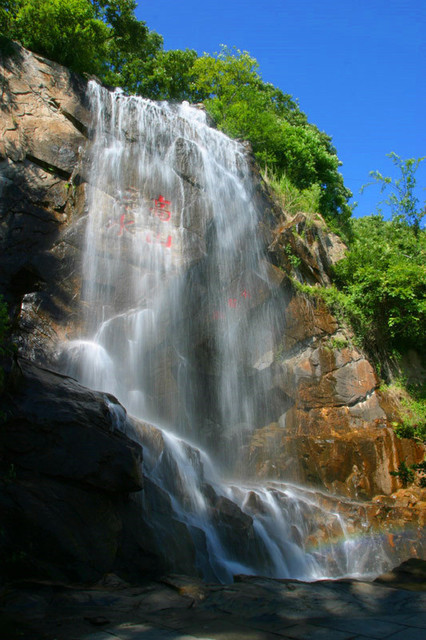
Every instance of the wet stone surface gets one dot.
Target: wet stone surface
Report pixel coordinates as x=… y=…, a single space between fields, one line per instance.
x=182 y=608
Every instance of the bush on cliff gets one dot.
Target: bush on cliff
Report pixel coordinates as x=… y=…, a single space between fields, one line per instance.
x=383 y=275
x=380 y=286
x=384 y=279
x=94 y=36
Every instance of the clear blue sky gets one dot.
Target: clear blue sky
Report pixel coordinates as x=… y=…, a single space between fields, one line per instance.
x=356 y=67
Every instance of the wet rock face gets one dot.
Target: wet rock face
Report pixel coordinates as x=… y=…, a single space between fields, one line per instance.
x=43 y=129
x=62 y=430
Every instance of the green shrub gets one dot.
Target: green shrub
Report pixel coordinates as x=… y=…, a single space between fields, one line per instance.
x=383 y=278
x=338 y=343
x=290 y=198
x=420 y=468
x=64 y=30
x=294 y=260
x=410 y=474
x=411 y=403
x=404 y=473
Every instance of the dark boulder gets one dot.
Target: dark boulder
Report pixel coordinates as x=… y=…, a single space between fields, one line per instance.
x=65 y=472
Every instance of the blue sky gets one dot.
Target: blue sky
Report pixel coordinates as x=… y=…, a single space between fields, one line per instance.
x=356 y=67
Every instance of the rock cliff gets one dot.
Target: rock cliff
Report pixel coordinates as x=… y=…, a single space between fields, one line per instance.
x=323 y=422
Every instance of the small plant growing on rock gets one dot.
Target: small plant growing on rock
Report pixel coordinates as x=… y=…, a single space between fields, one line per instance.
x=421 y=471
x=337 y=343
x=409 y=474
x=412 y=410
x=405 y=474
x=294 y=260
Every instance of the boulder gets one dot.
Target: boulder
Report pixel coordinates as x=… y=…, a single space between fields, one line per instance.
x=64 y=462
x=58 y=428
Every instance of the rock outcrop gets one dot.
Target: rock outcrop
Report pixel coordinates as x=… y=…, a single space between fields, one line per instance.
x=336 y=433
x=70 y=481
x=43 y=130
x=336 y=429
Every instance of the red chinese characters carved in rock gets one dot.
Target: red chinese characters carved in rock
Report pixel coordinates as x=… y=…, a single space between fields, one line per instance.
x=123 y=225
x=160 y=209
x=157 y=240
x=233 y=303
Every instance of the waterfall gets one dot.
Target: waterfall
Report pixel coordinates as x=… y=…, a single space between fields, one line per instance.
x=181 y=315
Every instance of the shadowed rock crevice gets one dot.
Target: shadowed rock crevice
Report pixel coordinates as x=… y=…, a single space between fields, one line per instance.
x=64 y=175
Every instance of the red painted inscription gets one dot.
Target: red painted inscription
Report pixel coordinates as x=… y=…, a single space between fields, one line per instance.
x=161 y=210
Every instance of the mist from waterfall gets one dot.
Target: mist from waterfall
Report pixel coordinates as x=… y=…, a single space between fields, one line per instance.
x=181 y=317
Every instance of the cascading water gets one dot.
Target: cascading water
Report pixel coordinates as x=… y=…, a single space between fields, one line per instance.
x=181 y=317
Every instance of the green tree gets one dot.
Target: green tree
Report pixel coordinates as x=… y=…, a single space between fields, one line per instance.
x=384 y=273
x=130 y=47
x=8 y=10
x=95 y=36
x=384 y=278
x=66 y=31
x=402 y=201
x=167 y=75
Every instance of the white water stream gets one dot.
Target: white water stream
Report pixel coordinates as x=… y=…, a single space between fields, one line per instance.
x=180 y=321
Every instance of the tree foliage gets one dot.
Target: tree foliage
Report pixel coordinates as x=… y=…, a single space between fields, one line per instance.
x=169 y=75
x=402 y=201
x=94 y=36
x=384 y=277
x=66 y=31
x=131 y=47
x=384 y=273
